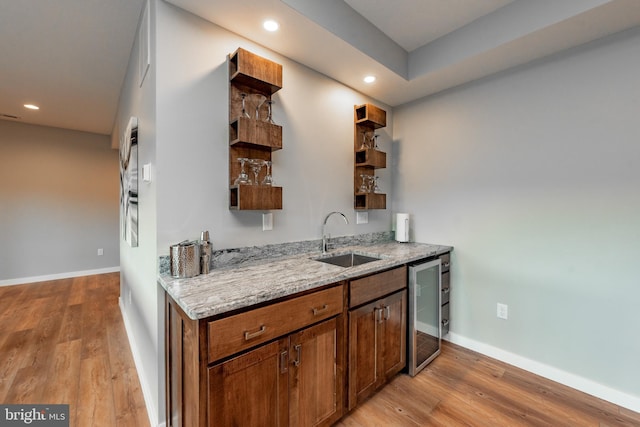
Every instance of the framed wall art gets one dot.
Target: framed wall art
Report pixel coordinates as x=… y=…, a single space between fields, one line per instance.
x=129 y=183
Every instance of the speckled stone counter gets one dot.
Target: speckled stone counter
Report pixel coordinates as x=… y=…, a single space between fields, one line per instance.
x=237 y=286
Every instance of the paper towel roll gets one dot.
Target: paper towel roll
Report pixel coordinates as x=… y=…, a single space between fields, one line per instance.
x=402 y=227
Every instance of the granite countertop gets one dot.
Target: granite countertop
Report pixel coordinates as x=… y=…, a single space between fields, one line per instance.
x=229 y=288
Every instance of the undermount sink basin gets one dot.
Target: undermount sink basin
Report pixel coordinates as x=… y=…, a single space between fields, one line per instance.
x=347 y=260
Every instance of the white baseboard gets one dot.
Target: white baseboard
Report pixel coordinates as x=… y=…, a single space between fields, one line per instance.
x=34 y=279
x=146 y=391
x=571 y=380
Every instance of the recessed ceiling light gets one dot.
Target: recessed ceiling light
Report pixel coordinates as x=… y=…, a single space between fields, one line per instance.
x=271 y=25
x=31 y=107
x=370 y=79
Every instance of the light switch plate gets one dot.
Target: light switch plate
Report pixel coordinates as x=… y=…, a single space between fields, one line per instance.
x=362 y=217
x=267 y=221
x=146 y=172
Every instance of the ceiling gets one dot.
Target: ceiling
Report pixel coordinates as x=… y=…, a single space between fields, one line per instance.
x=70 y=56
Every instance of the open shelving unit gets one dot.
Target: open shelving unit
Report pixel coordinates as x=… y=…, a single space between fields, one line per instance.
x=252 y=137
x=367 y=118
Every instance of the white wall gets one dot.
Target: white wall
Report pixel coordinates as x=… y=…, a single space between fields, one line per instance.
x=533 y=175
x=315 y=166
x=59 y=203
x=183 y=132
x=139 y=295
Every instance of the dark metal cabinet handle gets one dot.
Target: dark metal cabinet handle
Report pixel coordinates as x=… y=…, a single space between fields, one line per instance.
x=321 y=310
x=387 y=312
x=250 y=335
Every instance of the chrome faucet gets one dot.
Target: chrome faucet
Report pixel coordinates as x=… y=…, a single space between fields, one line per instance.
x=324 y=225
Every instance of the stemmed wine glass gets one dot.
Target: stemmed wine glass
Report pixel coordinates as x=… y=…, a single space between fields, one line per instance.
x=374 y=141
x=259 y=99
x=365 y=142
x=268 y=179
x=376 y=188
x=256 y=167
x=244 y=107
x=269 y=112
x=364 y=187
x=243 y=177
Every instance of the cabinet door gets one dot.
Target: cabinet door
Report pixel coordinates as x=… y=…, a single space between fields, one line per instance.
x=251 y=389
x=315 y=389
x=363 y=350
x=393 y=334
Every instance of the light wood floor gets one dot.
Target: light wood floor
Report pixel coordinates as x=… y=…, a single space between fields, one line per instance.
x=464 y=388
x=64 y=341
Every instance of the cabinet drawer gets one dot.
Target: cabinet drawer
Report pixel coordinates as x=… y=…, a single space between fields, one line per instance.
x=377 y=285
x=241 y=331
x=445 y=287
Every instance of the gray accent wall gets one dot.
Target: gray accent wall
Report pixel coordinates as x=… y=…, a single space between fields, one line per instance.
x=59 y=202
x=533 y=175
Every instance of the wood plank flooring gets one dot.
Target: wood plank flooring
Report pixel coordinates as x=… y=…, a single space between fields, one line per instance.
x=64 y=341
x=463 y=388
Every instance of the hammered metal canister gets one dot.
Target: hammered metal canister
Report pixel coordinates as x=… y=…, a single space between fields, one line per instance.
x=185 y=259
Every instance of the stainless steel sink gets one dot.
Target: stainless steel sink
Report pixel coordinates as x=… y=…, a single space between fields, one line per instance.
x=347 y=260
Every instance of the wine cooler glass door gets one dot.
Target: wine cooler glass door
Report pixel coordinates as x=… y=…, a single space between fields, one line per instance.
x=424 y=314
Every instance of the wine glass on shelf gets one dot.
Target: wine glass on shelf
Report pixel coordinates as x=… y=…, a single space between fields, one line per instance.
x=376 y=188
x=256 y=166
x=259 y=101
x=364 y=187
x=374 y=141
x=268 y=179
x=365 y=141
x=243 y=177
x=245 y=114
x=270 y=112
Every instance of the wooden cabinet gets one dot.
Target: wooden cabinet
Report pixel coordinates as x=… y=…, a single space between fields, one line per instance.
x=289 y=382
x=377 y=332
x=367 y=157
x=278 y=365
x=251 y=135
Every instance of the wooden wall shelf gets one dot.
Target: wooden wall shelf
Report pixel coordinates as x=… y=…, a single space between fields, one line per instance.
x=367 y=118
x=255 y=197
x=255 y=132
x=256 y=79
x=249 y=69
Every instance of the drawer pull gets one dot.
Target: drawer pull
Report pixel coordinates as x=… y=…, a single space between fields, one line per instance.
x=283 y=362
x=248 y=335
x=387 y=312
x=446 y=264
x=445 y=322
x=297 y=348
x=446 y=290
x=321 y=310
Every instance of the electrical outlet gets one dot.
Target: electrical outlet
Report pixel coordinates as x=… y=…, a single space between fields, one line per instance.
x=100 y=251
x=503 y=311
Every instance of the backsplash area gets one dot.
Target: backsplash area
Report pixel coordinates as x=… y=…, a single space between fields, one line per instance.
x=238 y=256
